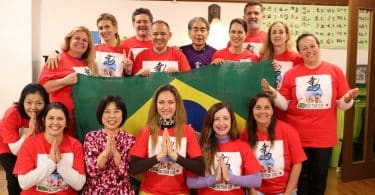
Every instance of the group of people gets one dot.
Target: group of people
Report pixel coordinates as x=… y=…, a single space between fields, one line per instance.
x=286 y=144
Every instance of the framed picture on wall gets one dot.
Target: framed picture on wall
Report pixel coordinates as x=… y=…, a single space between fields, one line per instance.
x=361 y=74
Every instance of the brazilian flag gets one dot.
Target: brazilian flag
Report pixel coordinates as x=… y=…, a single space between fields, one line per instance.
x=233 y=82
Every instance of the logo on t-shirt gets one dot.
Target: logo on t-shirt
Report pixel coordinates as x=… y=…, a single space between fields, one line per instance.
x=271 y=158
x=314 y=91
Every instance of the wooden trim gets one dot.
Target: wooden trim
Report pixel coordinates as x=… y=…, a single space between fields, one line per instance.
x=302 y=2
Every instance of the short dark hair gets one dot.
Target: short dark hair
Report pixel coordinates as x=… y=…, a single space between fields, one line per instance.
x=240 y=21
x=58 y=106
x=200 y=19
x=120 y=104
x=306 y=35
x=30 y=89
x=142 y=10
x=253 y=3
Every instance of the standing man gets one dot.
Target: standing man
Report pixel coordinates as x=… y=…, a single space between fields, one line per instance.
x=199 y=53
x=142 y=20
x=253 y=15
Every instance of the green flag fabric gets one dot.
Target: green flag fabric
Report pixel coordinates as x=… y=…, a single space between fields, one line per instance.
x=232 y=82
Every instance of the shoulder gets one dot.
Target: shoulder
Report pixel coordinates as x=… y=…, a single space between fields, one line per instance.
x=210 y=48
x=126 y=135
x=12 y=112
x=186 y=47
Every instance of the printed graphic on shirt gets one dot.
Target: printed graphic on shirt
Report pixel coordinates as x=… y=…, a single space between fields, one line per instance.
x=136 y=51
x=159 y=66
x=253 y=47
x=310 y=93
x=53 y=183
x=233 y=161
x=82 y=70
x=109 y=63
x=271 y=158
x=280 y=71
x=167 y=166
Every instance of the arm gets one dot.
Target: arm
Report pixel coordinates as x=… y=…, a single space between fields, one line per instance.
x=70 y=175
x=249 y=181
x=33 y=177
x=280 y=100
x=293 y=178
x=195 y=165
x=53 y=60
x=346 y=101
x=138 y=164
x=56 y=84
x=15 y=147
x=200 y=182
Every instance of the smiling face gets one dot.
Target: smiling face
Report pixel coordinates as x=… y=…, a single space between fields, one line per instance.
x=160 y=36
x=112 y=117
x=198 y=33
x=309 y=50
x=78 y=44
x=33 y=103
x=166 y=105
x=142 y=25
x=253 y=16
x=278 y=35
x=237 y=35
x=262 y=112
x=55 y=122
x=107 y=31
x=222 y=122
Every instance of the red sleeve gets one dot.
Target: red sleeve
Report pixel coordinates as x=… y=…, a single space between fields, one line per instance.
x=342 y=83
x=26 y=158
x=78 y=161
x=250 y=163
x=48 y=74
x=11 y=123
x=297 y=154
x=285 y=89
x=183 y=63
x=193 y=147
x=137 y=65
x=140 y=146
x=216 y=55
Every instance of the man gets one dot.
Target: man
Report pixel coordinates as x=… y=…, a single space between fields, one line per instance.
x=160 y=58
x=199 y=53
x=142 y=19
x=253 y=15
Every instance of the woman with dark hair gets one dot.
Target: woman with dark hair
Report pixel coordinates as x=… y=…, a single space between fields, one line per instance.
x=311 y=93
x=106 y=151
x=236 y=51
x=20 y=121
x=276 y=145
x=230 y=164
x=166 y=147
x=52 y=161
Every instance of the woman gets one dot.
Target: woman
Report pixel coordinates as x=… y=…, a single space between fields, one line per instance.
x=276 y=145
x=20 y=121
x=107 y=151
x=111 y=58
x=51 y=162
x=166 y=146
x=78 y=56
x=278 y=47
x=229 y=162
x=311 y=94
x=235 y=52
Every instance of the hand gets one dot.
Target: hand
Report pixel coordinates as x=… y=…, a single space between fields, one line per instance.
x=108 y=147
x=171 y=152
x=54 y=153
x=351 y=94
x=218 y=61
x=144 y=72
x=127 y=64
x=164 y=150
x=53 y=60
x=276 y=65
x=268 y=88
x=224 y=170
x=71 y=78
x=171 y=70
x=33 y=125
x=218 y=173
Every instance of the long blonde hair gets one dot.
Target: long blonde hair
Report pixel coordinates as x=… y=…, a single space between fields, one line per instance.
x=89 y=55
x=267 y=51
x=153 y=121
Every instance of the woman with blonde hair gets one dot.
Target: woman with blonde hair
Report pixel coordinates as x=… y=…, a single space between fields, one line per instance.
x=166 y=146
x=77 y=57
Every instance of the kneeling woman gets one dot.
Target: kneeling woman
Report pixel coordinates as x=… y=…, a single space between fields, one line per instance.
x=51 y=162
x=230 y=163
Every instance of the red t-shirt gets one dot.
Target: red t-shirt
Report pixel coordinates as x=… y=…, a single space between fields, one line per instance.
x=245 y=56
x=35 y=149
x=171 y=56
x=135 y=46
x=277 y=161
x=240 y=159
x=312 y=109
x=166 y=177
x=287 y=60
x=11 y=126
